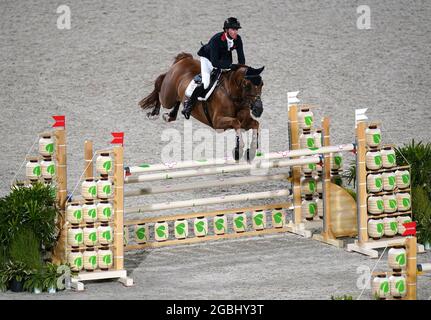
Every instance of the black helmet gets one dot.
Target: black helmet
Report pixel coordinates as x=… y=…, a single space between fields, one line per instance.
x=231 y=22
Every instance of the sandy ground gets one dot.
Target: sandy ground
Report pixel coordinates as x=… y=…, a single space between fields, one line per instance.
x=96 y=73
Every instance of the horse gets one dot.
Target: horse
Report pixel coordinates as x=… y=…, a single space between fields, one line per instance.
x=234 y=103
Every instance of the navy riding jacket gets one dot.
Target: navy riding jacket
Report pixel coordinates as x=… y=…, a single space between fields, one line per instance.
x=216 y=51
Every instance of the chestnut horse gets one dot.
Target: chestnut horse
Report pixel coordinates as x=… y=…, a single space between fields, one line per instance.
x=236 y=95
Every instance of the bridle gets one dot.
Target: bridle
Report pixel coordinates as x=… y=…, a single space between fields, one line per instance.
x=241 y=101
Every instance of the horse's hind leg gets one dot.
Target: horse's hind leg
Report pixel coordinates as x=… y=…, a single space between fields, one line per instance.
x=172 y=116
x=154 y=114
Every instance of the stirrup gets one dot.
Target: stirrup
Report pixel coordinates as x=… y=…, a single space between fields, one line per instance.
x=187 y=109
x=186 y=114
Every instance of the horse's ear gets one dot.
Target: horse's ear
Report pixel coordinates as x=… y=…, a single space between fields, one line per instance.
x=234 y=66
x=259 y=71
x=252 y=72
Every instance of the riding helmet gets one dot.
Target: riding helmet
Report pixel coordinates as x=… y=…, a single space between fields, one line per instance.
x=231 y=22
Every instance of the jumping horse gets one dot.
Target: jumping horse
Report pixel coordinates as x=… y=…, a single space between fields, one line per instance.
x=233 y=104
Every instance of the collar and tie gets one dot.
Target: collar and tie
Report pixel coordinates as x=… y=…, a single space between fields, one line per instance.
x=229 y=42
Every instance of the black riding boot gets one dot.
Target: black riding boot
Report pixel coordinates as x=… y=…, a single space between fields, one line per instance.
x=190 y=102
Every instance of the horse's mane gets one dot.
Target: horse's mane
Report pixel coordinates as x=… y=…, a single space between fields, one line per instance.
x=181 y=56
x=255 y=79
x=239 y=66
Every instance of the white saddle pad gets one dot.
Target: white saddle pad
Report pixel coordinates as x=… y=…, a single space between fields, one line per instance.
x=192 y=85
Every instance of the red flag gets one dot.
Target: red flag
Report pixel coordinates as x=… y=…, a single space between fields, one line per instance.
x=127 y=172
x=118 y=138
x=60 y=121
x=410 y=229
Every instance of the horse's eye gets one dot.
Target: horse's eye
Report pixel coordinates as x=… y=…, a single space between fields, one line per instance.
x=247 y=86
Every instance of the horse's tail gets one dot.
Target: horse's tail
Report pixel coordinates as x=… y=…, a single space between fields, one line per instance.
x=152 y=100
x=181 y=56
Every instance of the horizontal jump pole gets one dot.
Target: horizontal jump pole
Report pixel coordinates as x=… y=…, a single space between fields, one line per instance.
x=208 y=201
x=424 y=267
x=230 y=160
x=204 y=184
x=283 y=205
x=216 y=170
x=158 y=244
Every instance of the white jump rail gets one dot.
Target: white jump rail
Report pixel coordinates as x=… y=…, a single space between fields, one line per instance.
x=227 y=161
x=204 y=184
x=217 y=170
x=424 y=267
x=208 y=201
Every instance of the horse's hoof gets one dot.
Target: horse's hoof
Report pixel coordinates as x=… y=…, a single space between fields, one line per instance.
x=167 y=118
x=237 y=154
x=152 y=117
x=186 y=114
x=251 y=154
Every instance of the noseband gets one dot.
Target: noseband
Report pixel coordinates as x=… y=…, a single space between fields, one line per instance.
x=242 y=100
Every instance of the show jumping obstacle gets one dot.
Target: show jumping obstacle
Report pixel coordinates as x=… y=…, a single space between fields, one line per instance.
x=52 y=148
x=365 y=167
x=108 y=261
x=343 y=203
x=95 y=234
x=275 y=160
x=402 y=281
x=151 y=232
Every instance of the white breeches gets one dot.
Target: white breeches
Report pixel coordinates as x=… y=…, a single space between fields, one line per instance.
x=206 y=68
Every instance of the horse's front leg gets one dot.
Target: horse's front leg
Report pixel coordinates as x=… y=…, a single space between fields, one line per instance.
x=254 y=147
x=226 y=123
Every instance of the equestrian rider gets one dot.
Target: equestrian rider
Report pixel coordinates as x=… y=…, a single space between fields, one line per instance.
x=216 y=54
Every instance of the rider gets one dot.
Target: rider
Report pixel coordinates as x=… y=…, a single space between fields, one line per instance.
x=216 y=54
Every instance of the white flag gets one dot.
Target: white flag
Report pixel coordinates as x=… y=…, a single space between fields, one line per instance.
x=360 y=115
x=292 y=98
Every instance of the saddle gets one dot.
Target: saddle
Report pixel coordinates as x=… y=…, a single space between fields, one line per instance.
x=197 y=80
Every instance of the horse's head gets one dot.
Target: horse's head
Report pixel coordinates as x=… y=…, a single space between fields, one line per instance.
x=250 y=85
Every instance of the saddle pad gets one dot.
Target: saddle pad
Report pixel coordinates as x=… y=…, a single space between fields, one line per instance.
x=209 y=90
x=197 y=80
